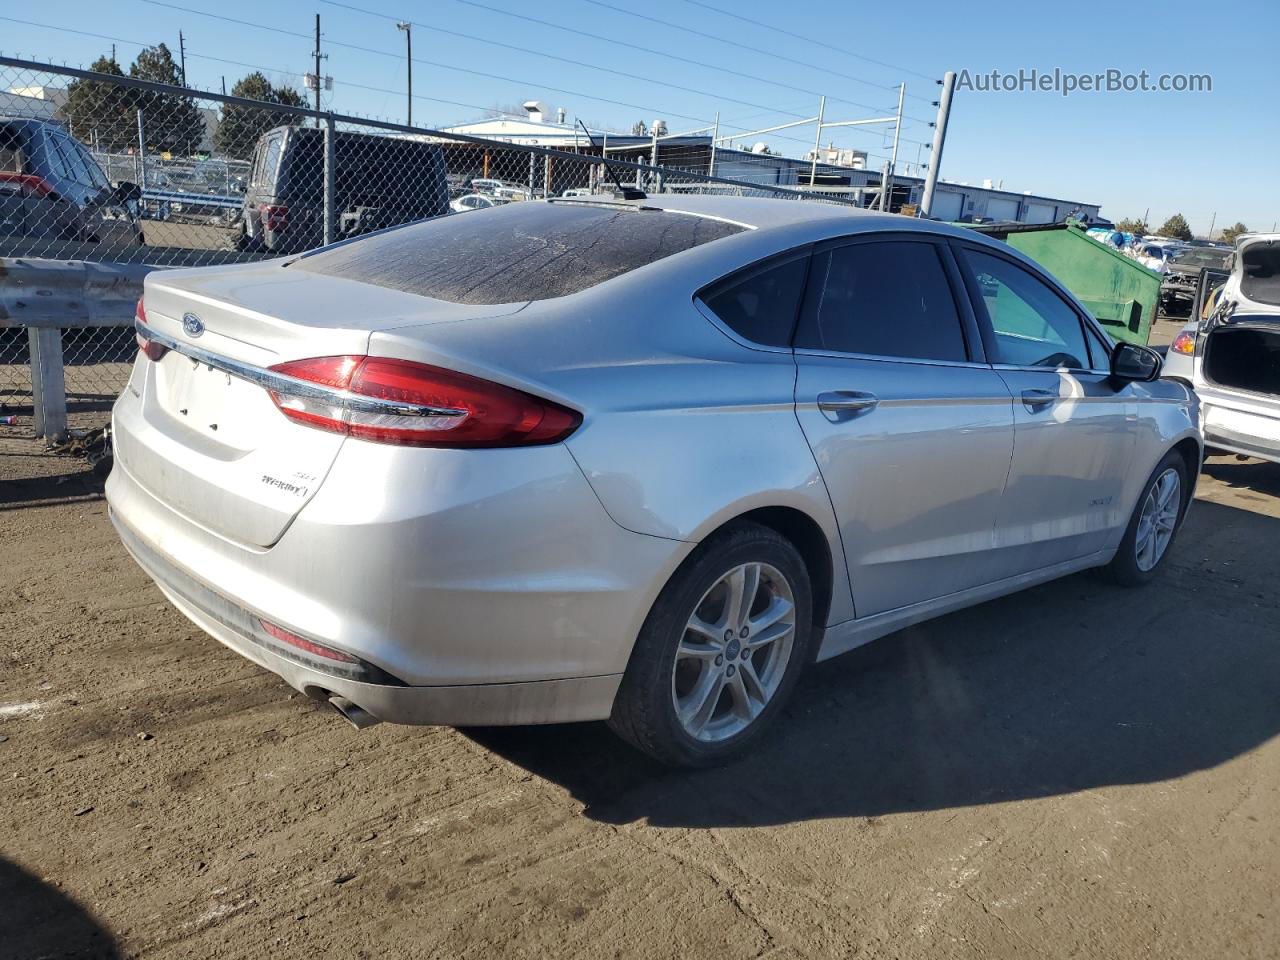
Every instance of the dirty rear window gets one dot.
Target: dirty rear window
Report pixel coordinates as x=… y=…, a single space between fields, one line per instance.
x=521 y=251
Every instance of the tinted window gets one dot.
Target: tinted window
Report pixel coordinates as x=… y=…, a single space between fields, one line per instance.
x=1034 y=327
x=516 y=251
x=53 y=158
x=97 y=178
x=760 y=304
x=10 y=151
x=1100 y=349
x=74 y=163
x=264 y=172
x=886 y=299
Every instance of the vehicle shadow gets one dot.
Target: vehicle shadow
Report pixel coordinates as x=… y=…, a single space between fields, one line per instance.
x=1072 y=685
x=1260 y=476
x=37 y=921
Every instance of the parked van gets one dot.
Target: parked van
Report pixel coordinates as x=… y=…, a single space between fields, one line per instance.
x=380 y=181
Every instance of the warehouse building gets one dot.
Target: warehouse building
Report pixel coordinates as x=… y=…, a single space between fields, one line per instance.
x=847 y=178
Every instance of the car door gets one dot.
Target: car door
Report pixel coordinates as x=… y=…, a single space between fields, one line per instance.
x=912 y=430
x=1074 y=426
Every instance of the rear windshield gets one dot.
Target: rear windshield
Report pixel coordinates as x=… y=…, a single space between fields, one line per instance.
x=528 y=250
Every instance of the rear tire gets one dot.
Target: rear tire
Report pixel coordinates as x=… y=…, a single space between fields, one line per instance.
x=1154 y=524
x=720 y=651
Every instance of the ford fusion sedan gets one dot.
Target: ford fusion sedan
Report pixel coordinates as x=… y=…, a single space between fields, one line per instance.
x=641 y=460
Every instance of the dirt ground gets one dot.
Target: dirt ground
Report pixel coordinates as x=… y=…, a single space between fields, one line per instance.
x=1075 y=771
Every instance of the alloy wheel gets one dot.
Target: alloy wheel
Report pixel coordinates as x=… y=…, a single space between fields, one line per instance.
x=1158 y=521
x=733 y=652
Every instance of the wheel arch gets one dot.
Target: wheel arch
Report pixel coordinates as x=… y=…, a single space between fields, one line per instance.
x=808 y=537
x=1192 y=453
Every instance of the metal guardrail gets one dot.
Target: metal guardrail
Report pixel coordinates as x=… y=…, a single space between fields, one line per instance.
x=46 y=297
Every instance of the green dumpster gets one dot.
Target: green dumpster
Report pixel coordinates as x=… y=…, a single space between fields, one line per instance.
x=1121 y=293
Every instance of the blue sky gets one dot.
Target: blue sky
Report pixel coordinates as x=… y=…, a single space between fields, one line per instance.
x=1197 y=153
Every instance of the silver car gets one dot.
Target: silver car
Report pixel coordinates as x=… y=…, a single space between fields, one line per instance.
x=644 y=461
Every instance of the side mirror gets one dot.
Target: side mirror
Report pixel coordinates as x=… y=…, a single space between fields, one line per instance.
x=127 y=192
x=1129 y=361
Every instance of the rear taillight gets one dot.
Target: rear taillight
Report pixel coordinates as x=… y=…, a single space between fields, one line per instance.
x=305 y=645
x=318 y=656
x=29 y=184
x=413 y=404
x=275 y=216
x=1185 y=343
x=149 y=348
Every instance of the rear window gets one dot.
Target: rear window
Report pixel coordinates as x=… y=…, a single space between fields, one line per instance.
x=519 y=251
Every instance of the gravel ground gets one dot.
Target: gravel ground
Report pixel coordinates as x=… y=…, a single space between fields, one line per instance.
x=1075 y=771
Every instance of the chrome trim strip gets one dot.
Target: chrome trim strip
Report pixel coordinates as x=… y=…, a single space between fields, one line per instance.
x=280 y=383
x=838 y=355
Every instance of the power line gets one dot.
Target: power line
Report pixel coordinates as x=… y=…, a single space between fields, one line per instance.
x=358 y=86
x=551 y=56
x=657 y=53
x=740 y=46
x=446 y=66
x=800 y=36
x=582 y=63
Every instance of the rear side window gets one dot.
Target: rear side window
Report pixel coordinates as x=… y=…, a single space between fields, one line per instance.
x=264 y=171
x=886 y=299
x=518 y=251
x=760 y=304
x=10 y=150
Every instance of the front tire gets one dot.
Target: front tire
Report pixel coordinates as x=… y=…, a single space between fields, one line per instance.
x=720 y=651
x=1154 y=523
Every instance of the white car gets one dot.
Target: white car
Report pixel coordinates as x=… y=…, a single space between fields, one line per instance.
x=1231 y=358
x=476 y=201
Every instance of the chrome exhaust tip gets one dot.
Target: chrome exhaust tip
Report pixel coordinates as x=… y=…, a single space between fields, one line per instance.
x=357 y=716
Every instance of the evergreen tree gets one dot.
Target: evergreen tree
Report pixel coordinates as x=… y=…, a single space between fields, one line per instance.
x=1230 y=233
x=1176 y=227
x=101 y=114
x=240 y=127
x=172 y=121
x=1133 y=225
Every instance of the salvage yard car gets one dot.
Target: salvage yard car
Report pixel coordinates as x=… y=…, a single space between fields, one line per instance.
x=1182 y=279
x=379 y=181
x=52 y=187
x=1232 y=357
x=640 y=460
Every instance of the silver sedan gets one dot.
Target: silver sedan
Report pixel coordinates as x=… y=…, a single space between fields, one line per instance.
x=641 y=460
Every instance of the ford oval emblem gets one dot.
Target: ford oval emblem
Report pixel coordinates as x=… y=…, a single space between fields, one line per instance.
x=192 y=325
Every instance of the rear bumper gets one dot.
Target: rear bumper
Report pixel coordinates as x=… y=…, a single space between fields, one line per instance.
x=491 y=584
x=484 y=704
x=1239 y=423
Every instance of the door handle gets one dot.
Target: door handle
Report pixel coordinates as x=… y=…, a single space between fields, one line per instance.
x=1038 y=399
x=840 y=405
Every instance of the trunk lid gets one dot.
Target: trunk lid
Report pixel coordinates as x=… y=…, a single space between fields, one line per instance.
x=211 y=444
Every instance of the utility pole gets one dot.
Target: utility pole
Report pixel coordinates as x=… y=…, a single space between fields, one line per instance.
x=886 y=188
x=224 y=84
x=317 y=55
x=408 y=59
x=1211 y=223
x=817 y=144
x=182 y=56
x=715 y=135
x=939 y=139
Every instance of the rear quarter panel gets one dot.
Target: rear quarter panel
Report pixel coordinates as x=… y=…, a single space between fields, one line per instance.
x=683 y=428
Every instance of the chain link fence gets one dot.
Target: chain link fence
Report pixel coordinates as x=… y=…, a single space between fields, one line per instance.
x=110 y=169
